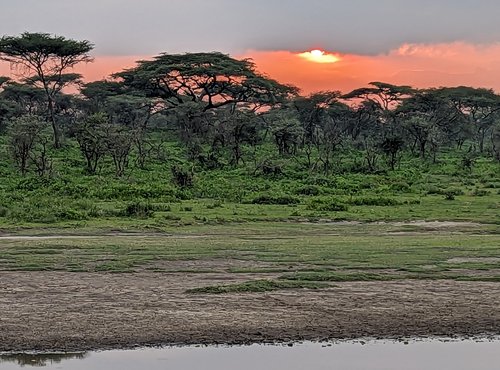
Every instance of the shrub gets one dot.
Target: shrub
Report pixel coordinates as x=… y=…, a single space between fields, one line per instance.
x=374 y=201
x=453 y=191
x=70 y=214
x=277 y=199
x=327 y=205
x=162 y=207
x=216 y=204
x=449 y=195
x=139 y=209
x=433 y=190
x=403 y=187
x=182 y=176
x=480 y=192
x=4 y=211
x=308 y=190
x=126 y=191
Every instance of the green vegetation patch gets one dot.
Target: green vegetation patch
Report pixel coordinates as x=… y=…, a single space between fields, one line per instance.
x=257 y=286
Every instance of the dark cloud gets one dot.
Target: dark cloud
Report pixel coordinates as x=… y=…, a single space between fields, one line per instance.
x=125 y=27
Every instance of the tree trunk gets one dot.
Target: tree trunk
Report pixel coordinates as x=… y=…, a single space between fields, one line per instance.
x=57 y=141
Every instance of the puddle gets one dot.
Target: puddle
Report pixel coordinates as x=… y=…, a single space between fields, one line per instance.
x=474 y=260
x=372 y=355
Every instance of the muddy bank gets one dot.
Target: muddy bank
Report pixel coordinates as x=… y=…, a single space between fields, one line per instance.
x=84 y=311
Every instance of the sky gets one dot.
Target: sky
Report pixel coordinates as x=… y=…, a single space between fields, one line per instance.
x=422 y=43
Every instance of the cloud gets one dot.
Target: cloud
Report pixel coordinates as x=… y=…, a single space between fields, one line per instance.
x=364 y=27
x=419 y=65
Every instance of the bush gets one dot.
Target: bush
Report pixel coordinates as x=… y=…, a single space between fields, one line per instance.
x=126 y=191
x=374 y=201
x=327 y=205
x=449 y=195
x=139 y=209
x=162 y=207
x=433 y=190
x=4 y=211
x=70 y=214
x=308 y=190
x=453 y=191
x=275 y=199
x=480 y=192
x=216 y=204
x=182 y=177
x=402 y=187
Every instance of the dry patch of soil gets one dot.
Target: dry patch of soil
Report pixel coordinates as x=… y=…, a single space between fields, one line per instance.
x=83 y=311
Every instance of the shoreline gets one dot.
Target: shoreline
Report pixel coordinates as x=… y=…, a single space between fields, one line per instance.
x=60 y=311
x=486 y=338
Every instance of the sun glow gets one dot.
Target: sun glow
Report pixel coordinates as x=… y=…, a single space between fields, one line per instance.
x=320 y=56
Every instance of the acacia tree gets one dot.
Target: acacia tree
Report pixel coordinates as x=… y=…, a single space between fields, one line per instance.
x=7 y=107
x=213 y=79
x=329 y=136
x=384 y=97
x=495 y=140
x=27 y=99
x=479 y=108
x=91 y=137
x=198 y=83
x=425 y=116
x=45 y=59
x=234 y=129
x=26 y=132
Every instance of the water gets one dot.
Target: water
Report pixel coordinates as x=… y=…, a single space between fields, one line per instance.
x=373 y=355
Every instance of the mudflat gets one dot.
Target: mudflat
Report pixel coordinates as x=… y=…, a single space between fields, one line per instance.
x=46 y=311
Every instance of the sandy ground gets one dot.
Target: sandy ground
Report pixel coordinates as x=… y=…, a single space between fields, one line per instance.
x=81 y=311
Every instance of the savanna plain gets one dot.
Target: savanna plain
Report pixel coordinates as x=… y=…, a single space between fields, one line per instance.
x=191 y=200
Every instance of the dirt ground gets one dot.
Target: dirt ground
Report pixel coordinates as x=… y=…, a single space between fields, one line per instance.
x=63 y=311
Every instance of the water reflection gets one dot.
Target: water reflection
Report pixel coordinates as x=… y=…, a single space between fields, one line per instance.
x=371 y=355
x=40 y=359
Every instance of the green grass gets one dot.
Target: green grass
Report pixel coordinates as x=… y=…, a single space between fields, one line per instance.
x=257 y=286
x=282 y=252
x=149 y=199
x=284 y=226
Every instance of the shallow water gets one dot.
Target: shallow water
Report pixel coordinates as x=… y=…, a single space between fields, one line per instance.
x=373 y=355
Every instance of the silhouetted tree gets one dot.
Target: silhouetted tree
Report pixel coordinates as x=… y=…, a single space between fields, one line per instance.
x=44 y=59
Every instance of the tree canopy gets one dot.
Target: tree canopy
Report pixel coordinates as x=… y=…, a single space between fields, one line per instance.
x=43 y=59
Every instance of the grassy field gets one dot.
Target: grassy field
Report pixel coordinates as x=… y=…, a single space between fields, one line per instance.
x=300 y=255
x=149 y=198
x=302 y=229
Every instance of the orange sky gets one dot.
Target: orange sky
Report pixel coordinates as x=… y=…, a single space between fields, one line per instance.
x=417 y=65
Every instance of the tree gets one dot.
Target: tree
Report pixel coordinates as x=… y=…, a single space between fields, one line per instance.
x=91 y=137
x=214 y=79
x=311 y=110
x=232 y=130
x=495 y=141
x=119 y=140
x=329 y=135
x=44 y=59
x=392 y=146
x=425 y=116
x=384 y=97
x=478 y=107
x=384 y=94
x=26 y=133
x=26 y=98
x=7 y=107
x=287 y=131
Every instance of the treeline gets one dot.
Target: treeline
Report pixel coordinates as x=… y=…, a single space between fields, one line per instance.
x=224 y=113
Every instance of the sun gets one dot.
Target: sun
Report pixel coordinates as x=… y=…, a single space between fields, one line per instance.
x=320 y=56
x=317 y=53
